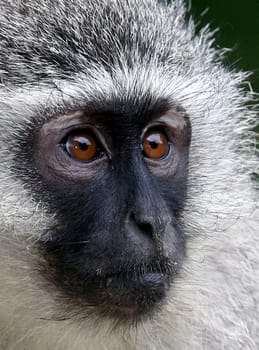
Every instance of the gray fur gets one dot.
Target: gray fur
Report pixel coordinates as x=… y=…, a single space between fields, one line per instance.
x=135 y=47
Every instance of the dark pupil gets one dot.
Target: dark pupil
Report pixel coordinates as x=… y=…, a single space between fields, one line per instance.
x=83 y=144
x=154 y=141
x=153 y=144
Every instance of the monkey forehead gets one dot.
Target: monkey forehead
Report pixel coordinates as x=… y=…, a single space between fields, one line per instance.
x=106 y=50
x=134 y=44
x=74 y=35
x=195 y=93
x=208 y=100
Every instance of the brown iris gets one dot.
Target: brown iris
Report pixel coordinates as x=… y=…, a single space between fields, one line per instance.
x=155 y=144
x=82 y=146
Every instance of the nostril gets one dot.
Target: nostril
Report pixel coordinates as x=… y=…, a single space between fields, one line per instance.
x=142 y=224
x=146 y=228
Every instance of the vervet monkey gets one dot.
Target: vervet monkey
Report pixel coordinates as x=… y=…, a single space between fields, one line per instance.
x=127 y=210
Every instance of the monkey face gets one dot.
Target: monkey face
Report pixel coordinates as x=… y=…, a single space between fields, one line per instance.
x=116 y=181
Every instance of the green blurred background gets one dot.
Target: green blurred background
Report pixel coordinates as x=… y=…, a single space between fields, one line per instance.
x=238 y=23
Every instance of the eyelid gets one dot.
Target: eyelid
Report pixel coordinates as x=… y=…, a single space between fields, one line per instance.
x=158 y=126
x=95 y=132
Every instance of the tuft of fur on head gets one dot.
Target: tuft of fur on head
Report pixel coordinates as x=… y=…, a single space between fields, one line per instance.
x=57 y=55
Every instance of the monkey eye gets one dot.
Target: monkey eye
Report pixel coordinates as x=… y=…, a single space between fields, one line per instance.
x=82 y=145
x=155 y=144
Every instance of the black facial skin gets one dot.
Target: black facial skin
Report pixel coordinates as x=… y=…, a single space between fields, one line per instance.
x=118 y=241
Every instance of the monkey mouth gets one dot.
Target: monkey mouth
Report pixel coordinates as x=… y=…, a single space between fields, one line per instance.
x=126 y=295
x=131 y=295
x=134 y=291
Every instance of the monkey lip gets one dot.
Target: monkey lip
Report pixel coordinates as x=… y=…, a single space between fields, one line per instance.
x=133 y=295
x=152 y=278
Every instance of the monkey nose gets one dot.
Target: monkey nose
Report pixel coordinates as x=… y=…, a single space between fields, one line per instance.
x=144 y=223
x=148 y=225
x=140 y=226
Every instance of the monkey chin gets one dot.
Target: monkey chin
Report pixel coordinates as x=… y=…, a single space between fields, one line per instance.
x=128 y=292
x=132 y=297
x=127 y=296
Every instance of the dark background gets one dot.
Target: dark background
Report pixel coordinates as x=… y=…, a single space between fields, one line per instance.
x=238 y=23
